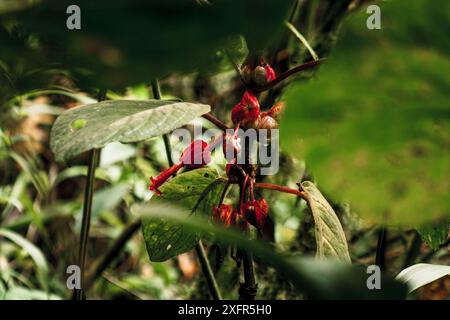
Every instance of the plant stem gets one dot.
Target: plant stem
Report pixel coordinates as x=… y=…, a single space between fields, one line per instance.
x=112 y=252
x=249 y=288
x=287 y=74
x=275 y=187
x=414 y=251
x=87 y=206
x=156 y=90
x=207 y=271
x=210 y=117
x=381 y=248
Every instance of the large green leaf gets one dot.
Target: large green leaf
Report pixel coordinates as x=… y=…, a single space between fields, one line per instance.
x=321 y=279
x=421 y=274
x=95 y=125
x=330 y=237
x=133 y=41
x=197 y=189
x=374 y=125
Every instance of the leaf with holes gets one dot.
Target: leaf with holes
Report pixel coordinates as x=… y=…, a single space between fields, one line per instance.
x=95 y=125
x=195 y=191
x=330 y=236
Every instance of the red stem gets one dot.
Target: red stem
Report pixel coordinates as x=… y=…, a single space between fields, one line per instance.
x=210 y=117
x=284 y=75
x=275 y=187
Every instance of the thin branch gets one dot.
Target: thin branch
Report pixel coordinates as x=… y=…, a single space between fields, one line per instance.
x=112 y=253
x=212 y=118
x=276 y=187
x=381 y=248
x=287 y=74
x=87 y=208
x=207 y=271
x=156 y=90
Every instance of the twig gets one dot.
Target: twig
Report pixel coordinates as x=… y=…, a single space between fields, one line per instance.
x=381 y=248
x=248 y=289
x=156 y=90
x=100 y=266
x=287 y=74
x=275 y=187
x=210 y=117
x=207 y=271
x=86 y=220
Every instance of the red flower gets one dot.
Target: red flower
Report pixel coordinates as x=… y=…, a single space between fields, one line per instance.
x=163 y=177
x=246 y=112
x=223 y=214
x=255 y=212
x=196 y=155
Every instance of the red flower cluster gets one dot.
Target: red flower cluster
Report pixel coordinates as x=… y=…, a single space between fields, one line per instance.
x=245 y=114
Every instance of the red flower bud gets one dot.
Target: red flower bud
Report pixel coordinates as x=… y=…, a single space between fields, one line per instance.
x=270 y=73
x=255 y=212
x=163 y=177
x=259 y=76
x=246 y=112
x=223 y=214
x=196 y=155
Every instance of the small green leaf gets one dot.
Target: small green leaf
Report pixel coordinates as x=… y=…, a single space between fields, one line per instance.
x=164 y=239
x=434 y=234
x=330 y=236
x=95 y=125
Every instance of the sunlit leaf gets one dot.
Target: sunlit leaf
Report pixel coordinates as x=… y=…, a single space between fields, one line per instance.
x=95 y=125
x=330 y=237
x=420 y=274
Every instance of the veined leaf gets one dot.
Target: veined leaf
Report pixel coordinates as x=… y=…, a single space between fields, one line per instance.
x=330 y=237
x=95 y=125
x=319 y=279
x=420 y=274
x=197 y=189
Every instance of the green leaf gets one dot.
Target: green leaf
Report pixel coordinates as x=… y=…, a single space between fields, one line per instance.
x=434 y=234
x=373 y=126
x=420 y=274
x=164 y=239
x=34 y=252
x=320 y=279
x=95 y=125
x=134 y=41
x=330 y=237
